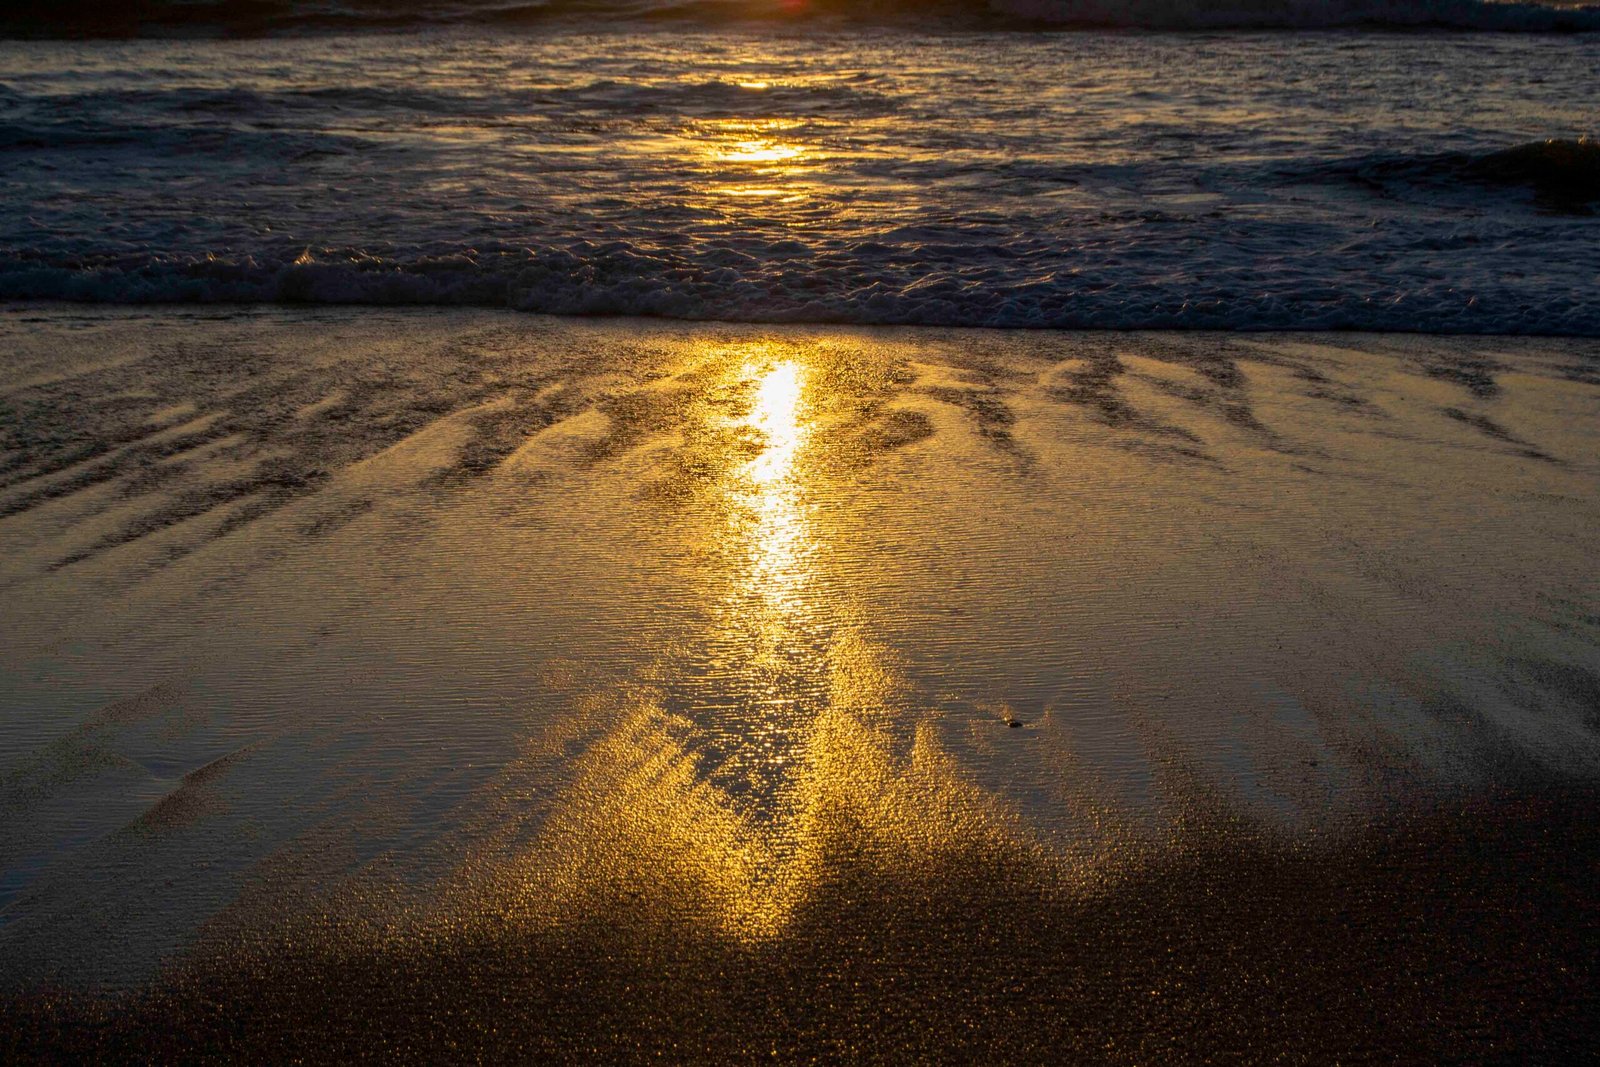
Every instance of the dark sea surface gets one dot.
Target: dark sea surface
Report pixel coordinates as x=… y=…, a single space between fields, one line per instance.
x=1396 y=169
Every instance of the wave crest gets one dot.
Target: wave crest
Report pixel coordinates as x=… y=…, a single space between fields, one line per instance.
x=1566 y=170
x=1562 y=175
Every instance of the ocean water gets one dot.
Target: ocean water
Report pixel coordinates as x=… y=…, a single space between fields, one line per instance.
x=955 y=168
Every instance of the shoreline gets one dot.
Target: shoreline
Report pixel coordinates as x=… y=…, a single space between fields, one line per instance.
x=232 y=309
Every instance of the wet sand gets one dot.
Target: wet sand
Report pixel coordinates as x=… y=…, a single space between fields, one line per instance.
x=462 y=684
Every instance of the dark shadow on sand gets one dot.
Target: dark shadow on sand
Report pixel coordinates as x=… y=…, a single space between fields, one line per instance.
x=1469 y=933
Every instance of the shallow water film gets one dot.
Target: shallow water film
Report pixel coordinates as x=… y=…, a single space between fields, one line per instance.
x=476 y=685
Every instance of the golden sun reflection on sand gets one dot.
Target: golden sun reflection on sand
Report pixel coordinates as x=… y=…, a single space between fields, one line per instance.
x=776 y=415
x=769 y=491
x=777 y=743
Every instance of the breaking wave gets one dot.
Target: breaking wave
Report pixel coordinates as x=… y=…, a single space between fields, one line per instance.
x=72 y=17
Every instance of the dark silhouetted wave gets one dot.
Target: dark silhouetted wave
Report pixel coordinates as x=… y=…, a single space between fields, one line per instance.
x=1563 y=174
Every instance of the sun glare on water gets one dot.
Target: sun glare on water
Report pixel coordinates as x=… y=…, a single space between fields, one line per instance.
x=762 y=151
x=764 y=158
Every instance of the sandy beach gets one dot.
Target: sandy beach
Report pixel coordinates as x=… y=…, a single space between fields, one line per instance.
x=407 y=683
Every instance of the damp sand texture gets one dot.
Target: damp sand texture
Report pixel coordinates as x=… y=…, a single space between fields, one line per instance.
x=464 y=685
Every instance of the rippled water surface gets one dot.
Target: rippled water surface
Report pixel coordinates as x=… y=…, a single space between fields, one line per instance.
x=819 y=173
